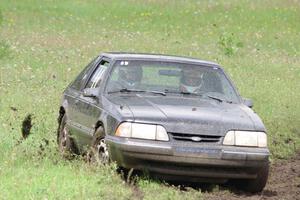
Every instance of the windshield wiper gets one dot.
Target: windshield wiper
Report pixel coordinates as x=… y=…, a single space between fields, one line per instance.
x=198 y=94
x=135 y=90
x=218 y=99
x=181 y=92
x=190 y=93
x=124 y=90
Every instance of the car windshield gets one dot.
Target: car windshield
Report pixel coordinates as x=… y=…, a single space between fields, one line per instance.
x=171 y=78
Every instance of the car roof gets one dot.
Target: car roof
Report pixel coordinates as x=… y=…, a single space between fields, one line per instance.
x=157 y=57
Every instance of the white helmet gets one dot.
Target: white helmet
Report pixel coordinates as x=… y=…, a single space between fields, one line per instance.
x=191 y=80
x=130 y=76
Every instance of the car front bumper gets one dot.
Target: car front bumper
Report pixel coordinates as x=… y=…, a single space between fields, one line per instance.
x=187 y=160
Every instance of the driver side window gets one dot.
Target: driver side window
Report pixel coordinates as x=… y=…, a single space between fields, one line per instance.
x=97 y=76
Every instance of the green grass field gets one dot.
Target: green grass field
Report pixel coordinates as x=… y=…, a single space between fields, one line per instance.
x=44 y=45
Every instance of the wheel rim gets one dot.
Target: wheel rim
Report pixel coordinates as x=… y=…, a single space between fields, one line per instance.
x=63 y=140
x=102 y=151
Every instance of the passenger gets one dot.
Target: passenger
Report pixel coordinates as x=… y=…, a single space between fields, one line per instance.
x=191 y=80
x=130 y=76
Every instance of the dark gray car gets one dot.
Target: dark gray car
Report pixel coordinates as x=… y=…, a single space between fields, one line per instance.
x=177 y=117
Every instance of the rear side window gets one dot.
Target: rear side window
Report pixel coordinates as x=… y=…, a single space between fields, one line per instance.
x=81 y=78
x=98 y=74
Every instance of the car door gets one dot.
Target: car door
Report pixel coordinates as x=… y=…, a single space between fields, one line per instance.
x=88 y=109
x=74 y=90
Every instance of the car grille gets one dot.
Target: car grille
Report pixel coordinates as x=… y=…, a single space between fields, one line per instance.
x=196 y=138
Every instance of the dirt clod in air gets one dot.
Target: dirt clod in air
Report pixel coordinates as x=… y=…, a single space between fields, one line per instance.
x=26 y=126
x=14 y=109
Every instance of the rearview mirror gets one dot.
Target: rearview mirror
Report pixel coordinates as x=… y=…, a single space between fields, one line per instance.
x=90 y=92
x=169 y=72
x=248 y=102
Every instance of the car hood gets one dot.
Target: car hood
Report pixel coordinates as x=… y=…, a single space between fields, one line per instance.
x=193 y=115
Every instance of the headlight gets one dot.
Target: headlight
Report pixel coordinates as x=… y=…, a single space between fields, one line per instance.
x=142 y=131
x=246 y=138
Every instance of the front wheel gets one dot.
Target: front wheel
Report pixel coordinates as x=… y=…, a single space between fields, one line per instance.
x=99 y=150
x=257 y=184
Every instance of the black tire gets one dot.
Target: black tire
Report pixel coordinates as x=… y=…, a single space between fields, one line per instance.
x=99 y=151
x=257 y=184
x=66 y=144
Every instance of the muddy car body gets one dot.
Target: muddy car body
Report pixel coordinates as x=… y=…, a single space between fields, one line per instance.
x=206 y=132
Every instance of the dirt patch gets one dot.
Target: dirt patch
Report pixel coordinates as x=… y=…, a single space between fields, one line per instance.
x=283 y=183
x=136 y=193
x=130 y=177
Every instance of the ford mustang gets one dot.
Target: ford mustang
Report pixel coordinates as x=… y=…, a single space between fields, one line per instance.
x=177 y=117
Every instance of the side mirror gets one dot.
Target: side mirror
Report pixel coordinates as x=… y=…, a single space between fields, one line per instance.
x=248 y=102
x=91 y=92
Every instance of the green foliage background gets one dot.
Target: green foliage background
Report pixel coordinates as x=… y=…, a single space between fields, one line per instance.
x=44 y=45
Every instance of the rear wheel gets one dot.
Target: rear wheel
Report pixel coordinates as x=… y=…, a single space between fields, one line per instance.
x=257 y=184
x=65 y=143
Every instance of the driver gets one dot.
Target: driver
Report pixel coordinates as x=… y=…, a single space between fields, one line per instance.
x=130 y=76
x=191 y=80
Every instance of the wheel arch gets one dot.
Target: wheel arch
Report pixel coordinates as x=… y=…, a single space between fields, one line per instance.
x=62 y=112
x=98 y=124
x=103 y=122
x=63 y=109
